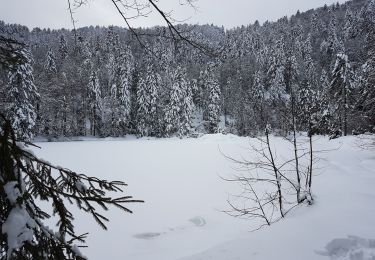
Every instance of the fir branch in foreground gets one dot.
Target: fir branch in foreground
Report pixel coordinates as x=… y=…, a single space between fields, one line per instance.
x=25 y=179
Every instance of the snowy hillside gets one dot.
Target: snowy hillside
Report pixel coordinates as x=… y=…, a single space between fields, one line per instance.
x=182 y=217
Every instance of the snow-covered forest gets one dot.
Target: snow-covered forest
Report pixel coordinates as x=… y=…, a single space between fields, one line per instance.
x=101 y=82
x=268 y=128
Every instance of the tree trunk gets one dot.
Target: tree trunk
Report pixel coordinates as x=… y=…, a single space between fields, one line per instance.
x=277 y=177
x=298 y=188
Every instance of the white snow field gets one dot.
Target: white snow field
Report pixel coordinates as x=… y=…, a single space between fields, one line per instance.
x=182 y=217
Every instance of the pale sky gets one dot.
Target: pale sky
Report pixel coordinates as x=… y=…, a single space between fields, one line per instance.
x=54 y=13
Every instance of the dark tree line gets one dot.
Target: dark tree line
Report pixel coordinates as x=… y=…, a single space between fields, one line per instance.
x=312 y=71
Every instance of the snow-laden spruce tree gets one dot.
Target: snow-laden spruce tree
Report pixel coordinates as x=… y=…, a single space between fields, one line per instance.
x=94 y=103
x=25 y=180
x=200 y=96
x=213 y=105
x=308 y=63
x=187 y=107
x=332 y=44
x=147 y=98
x=50 y=62
x=326 y=122
x=275 y=81
x=173 y=107
x=340 y=89
x=142 y=110
x=21 y=95
x=209 y=98
x=63 y=48
x=180 y=103
x=258 y=99
x=277 y=86
x=254 y=104
x=350 y=26
x=84 y=66
x=120 y=92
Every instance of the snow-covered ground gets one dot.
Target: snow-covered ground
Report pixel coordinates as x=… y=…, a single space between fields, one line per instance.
x=182 y=217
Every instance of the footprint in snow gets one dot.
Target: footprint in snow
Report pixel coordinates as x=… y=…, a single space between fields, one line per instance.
x=197 y=221
x=148 y=235
x=351 y=248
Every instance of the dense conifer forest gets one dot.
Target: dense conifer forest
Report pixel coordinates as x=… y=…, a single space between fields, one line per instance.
x=313 y=71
